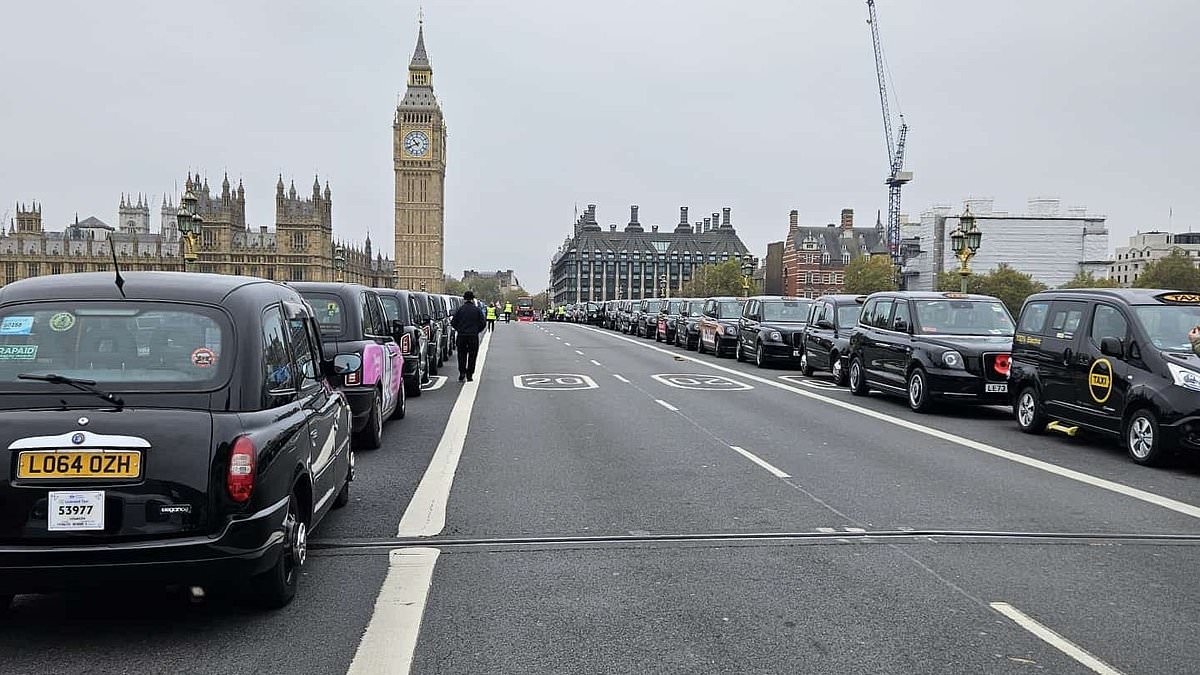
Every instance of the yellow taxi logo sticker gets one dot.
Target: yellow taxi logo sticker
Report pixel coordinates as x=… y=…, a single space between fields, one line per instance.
x=1100 y=380
x=1180 y=298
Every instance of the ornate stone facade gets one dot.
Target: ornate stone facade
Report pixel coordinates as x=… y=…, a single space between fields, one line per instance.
x=419 y=158
x=300 y=248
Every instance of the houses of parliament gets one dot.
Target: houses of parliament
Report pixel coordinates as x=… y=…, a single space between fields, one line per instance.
x=301 y=247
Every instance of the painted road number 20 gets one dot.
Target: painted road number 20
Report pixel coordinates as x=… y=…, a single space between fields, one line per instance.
x=554 y=381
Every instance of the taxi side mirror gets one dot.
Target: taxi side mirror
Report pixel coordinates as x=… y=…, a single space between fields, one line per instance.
x=1111 y=346
x=397 y=328
x=344 y=364
x=825 y=323
x=900 y=325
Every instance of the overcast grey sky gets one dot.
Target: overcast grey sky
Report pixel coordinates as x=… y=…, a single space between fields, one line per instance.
x=764 y=106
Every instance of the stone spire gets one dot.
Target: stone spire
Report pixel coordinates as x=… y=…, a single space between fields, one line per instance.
x=420 y=59
x=292 y=190
x=328 y=194
x=316 y=187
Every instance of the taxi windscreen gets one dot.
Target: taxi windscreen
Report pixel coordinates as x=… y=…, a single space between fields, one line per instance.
x=786 y=310
x=963 y=317
x=330 y=312
x=847 y=315
x=1167 y=326
x=394 y=310
x=143 y=345
x=730 y=309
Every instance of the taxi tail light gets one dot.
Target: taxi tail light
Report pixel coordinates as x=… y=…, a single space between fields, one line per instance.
x=1002 y=364
x=354 y=378
x=240 y=479
x=406 y=344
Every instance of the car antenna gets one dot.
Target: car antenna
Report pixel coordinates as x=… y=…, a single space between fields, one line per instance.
x=112 y=246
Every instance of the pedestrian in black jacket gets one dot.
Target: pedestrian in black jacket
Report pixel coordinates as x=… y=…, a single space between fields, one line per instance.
x=469 y=323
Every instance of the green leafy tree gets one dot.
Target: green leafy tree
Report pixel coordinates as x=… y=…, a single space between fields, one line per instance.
x=1175 y=272
x=486 y=289
x=541 y=300
x=1004 y=282
x=454 y=286
x=713 y=280
x=1088 y=280
x=869 y=274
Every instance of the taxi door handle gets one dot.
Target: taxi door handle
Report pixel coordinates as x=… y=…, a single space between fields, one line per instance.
x=1067 y=356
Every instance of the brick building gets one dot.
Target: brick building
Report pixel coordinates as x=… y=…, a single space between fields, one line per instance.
x=815 y=258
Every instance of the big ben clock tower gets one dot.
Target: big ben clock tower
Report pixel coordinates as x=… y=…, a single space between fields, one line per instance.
x=419 y=158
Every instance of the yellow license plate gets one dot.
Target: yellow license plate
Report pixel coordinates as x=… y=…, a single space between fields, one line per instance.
x=79 y=464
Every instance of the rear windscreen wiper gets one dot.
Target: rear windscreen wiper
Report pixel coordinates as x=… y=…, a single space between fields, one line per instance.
x=88 y=386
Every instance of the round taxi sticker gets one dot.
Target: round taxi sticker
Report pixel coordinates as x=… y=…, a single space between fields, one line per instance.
x=62 y=322
x=204 y=358
x=1100 y=380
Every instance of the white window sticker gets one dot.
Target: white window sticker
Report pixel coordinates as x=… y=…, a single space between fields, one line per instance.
x=76 y=511
x=18 y=352
x=16 y=325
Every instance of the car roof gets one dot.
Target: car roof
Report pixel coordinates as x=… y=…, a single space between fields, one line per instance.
x=1132 y=296
x=843 y=297
x=775 y=297
x=168 y=286
x=326 y=286
x=933 y=295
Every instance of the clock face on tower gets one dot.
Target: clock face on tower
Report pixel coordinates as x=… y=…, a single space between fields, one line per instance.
x=416 y=143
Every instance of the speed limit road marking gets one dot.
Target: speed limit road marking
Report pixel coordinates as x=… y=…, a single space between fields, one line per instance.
x=701 y=382
x=554 y=381
x=811 y=384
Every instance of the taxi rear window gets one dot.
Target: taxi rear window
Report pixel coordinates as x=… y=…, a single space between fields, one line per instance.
x=330 y=312
x=130 y=345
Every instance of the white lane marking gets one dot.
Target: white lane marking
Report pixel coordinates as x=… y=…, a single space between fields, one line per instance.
x=826 y=529
x=761 y=462
x=855 y=529
x=666 y=405
x=388 y=644
x=579 y=352
x=1053 y=639
x=619 y=377
x=557 y=338
x=435 y=383
x=812 y=384
x=595 y=362
x=566 y=344
x=1079 y=476
x=426 y=512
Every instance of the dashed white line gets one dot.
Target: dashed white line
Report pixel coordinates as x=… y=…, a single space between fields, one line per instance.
x=566 y=344
x=855 y=529
x=1148 y=497
x=826 y=530
x=666 y=405
x=557 y=338
x=579 y=352
x=775 y=471
x=595 y=362
x=388 y=644
x=1053 y=639
x=619 y=377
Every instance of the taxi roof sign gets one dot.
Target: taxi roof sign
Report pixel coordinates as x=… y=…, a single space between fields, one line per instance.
x=955 y=295
x=1179 y=298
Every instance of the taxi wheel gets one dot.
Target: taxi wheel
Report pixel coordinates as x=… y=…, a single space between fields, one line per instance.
x=277 y=586
x=1143 y=439
x=805 y=368
x=918 y=391
x=737 y=350
x=371 y=437
x=343 y=496
x=431 y=367
x=759 y=360
x=839 y=371
x=1031 y=418
x=413 y=388
x=401 y=405
x=858 y=378
x=700 y=345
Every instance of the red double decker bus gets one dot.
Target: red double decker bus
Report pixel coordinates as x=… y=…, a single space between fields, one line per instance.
x=524 y=308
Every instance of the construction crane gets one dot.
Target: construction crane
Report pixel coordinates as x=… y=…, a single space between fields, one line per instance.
x=897 y=176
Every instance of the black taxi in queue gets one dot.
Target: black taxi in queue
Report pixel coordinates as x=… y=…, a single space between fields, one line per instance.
x=718 y=325
x=1116 y=361
x=403 y=315
x=179 y=428
x=771 y=329
x=687 y=324
x=352 y=321
x=932 y=346
x=826 y=341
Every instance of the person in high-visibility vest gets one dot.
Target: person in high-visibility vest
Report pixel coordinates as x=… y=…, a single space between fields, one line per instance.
x=562 y=313
x=508 y=312
x=491 y=316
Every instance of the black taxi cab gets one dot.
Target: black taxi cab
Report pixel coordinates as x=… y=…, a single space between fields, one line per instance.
x=1115 y=361
x=403 y=316
x=174 y=428
x=932 y=346
x=352 y=321
x=771 y=329
x=826 y=340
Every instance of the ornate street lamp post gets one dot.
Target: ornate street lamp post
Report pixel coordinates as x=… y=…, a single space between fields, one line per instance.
x=965 y=240
x=747 y=272
x=189 y=222
x=422 y=286
x=339 y=263
x=662 y=286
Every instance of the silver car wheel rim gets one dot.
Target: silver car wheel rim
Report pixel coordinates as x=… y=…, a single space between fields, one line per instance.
x=300 y=546
x=1025 y=410
x=1141 y=437
x=837 y=369
x=915 y=389
x=855 y=375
